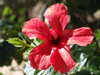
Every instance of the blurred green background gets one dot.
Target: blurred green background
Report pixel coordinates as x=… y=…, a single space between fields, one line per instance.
x=82 y=13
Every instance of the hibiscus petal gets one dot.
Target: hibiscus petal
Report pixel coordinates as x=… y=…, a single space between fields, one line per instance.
x=56 y=16
x=61 y=60
x=65 y=35
x=81 y=36
x=35 y=28
x=39 y=56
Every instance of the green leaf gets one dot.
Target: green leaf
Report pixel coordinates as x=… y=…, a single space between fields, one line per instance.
x=18 y=56
x=31 y=71
x=84 y=72
x=21 y=11
x=97 y=35
x=36 y=72
x=1 y=74
x=11 y=18
x=37 y=41
x=7 y=51
x=21 y=19
x=60 y=74
x=79 y=65
x=10 y=11
x=93 y=65
x=28 y=51
x=5 y=11
x=86 y=58
x=17 y=42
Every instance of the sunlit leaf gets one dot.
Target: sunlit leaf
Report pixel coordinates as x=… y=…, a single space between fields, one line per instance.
x=11 y=18
x=27 y=51
x=17 y=42
x=5 y=11
x=30 y=71
x=1 y=74
x=21 y=19
x=79 y=65
x=37 y=41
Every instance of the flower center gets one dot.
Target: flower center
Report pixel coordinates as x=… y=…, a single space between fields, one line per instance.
x=54 y=38
x=55 y=41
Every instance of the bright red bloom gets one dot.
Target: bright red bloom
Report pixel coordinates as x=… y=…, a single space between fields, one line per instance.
x=55 y=50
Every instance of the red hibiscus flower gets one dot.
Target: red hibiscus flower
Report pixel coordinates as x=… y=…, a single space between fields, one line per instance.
x=55 y=50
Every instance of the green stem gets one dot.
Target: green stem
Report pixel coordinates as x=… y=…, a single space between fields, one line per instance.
x=34 y=43
x=29 y=46
x=53 y=72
